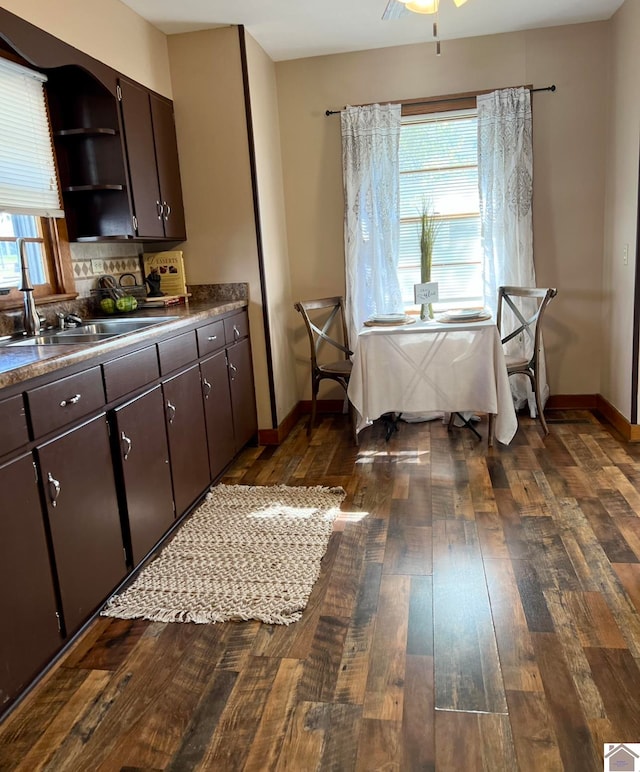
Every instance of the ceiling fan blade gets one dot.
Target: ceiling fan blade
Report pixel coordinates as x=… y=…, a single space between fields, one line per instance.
x=396 y=10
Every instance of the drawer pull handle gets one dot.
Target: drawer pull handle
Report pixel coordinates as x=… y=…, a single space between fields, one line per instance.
x=236 y=332
x=208 y=388
x=233 y=369
x=171 y=409
x=71 y=401
x=167 y=210
x=159 y=209
x=212 y=337
x=127 y=445
x=54 y=489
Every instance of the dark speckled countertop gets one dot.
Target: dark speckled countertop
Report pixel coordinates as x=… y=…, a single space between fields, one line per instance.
x=20 y=363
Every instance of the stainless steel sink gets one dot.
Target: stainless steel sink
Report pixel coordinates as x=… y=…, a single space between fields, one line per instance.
x=58 y=339
x=115 y=326
x=91 y=331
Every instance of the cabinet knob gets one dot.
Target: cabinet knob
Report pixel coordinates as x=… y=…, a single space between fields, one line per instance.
x=233 y=369
x=126 y=445
x=71 y=401
x=236 y=332
x=171 y=411
x=167 y=210
x=159 y=210
x=54 y=489
x=211 y=338
x=207 y=388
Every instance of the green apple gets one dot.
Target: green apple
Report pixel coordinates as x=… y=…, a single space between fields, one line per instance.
x=108 y=305
x=127 y=303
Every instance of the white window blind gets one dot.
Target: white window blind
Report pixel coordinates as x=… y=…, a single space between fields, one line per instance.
x=28 y=180
x=439 y=166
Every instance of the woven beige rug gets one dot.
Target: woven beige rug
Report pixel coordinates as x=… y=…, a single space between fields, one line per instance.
x=248 y=552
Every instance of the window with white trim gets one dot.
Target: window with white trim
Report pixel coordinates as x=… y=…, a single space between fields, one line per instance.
x=439 y=168
x=29 y=194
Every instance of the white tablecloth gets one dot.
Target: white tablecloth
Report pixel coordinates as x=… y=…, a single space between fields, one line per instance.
x=432 y=366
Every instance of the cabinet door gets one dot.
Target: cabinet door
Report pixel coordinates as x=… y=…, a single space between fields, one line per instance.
x=217 y=409
x=141 y=155
x=14 y=424
x=77 y=475
x=28 y=610
x=164 y=133
x=187 y=438
x=144 y=463
x=245 y=422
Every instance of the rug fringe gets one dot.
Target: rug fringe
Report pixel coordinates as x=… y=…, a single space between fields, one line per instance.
x=166 y=616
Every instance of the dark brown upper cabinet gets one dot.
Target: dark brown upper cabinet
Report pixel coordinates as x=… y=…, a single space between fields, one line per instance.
x=90 y=157
x=152 y=154
x=117 y=183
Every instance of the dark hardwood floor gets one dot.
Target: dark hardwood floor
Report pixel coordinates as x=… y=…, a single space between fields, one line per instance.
x=478 y=609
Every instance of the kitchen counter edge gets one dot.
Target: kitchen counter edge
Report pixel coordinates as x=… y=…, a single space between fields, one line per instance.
x=22 y=363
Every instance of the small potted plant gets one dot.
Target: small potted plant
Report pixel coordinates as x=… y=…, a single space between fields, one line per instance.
x=429 y=225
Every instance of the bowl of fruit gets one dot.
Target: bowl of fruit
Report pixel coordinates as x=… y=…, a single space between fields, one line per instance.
x=116 y=297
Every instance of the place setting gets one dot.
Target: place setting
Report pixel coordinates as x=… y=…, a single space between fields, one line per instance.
x=455 y=315
x=389 y=320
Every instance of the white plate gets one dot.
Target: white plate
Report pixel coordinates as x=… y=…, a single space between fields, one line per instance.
x=460 y=314
x=388 y=318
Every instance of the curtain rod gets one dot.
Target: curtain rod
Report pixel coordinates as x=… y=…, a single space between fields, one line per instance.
x=447 y=99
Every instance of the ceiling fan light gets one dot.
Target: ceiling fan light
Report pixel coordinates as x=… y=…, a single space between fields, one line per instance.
x=459 y=2
x=422 y=6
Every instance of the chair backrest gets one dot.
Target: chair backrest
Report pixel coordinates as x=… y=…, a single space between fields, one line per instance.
x=328 y=312
x=525 y=307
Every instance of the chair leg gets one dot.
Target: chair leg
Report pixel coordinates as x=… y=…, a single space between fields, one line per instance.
x=539 y=409
x=492 y=429
x=314 y=397
x=353 y=419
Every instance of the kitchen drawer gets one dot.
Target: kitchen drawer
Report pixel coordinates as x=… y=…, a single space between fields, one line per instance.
x=177 y=352
x=211 y=337
x=14 y=424
x=65 y=400
x=131 y=372
x=236 y=327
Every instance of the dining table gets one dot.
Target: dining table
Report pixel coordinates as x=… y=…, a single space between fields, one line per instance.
x=432 y=366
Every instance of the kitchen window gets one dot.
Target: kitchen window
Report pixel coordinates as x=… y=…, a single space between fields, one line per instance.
x=439 y=169
x=29 y=196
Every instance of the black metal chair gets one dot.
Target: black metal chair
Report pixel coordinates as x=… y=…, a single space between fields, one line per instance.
x=528 y=324
x=320 y=317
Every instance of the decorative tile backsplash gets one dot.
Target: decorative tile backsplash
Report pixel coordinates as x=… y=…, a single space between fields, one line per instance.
x=93 y=260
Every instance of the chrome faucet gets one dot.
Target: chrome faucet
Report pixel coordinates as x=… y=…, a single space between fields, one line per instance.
x=30 y=317
x=68 y=320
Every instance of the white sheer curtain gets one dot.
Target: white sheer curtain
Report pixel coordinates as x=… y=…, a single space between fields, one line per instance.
x=505 y=172
x=370 y=143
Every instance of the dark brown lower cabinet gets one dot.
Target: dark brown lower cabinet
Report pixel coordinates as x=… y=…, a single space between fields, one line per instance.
x=217 y=411
x=82 y=506
x=188 y=452
x=243 y=402
x=141 y=437
x=30 y=634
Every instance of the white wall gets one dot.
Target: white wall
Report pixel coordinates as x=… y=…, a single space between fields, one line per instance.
x=213 y=146
x=268 y=157
x=109 y=31
x=569 y=165
x=621 y=206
